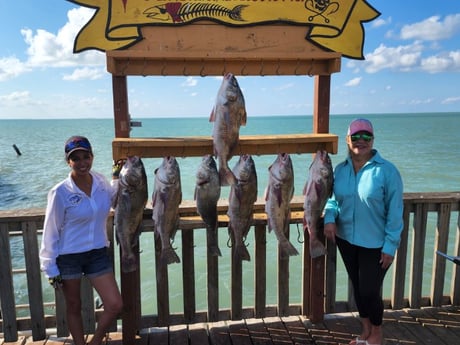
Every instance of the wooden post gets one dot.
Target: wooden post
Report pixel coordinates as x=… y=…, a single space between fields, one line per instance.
x=320 y=125
x=120 y=107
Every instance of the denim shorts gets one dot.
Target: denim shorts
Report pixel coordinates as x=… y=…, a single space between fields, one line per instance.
x=93 y=263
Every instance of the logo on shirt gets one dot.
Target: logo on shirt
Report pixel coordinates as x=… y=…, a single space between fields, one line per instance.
x=75 y=199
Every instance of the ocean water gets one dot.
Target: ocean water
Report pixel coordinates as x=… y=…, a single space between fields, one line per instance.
x=425 y=148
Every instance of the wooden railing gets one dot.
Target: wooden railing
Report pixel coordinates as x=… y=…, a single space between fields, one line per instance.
x=427 y=216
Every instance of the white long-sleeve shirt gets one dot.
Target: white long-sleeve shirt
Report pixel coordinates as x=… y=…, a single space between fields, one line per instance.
x=75 y=222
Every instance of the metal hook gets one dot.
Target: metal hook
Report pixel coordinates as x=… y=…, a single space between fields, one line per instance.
x=262 y=68
x=244 y=67
x=278 y=67
x=184 y=72
x=296 y=72
x=202 y=69
x=163 y=68
x=310 y=74
x=299 y=233
x=225 y=67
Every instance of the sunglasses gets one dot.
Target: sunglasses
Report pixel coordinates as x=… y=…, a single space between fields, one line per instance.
x=364 y=136
x=77 y=143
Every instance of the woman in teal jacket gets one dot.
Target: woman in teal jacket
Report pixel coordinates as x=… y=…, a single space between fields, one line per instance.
x=365 y=218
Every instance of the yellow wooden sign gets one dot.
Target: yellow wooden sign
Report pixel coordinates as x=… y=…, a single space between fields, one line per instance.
x=333 y=25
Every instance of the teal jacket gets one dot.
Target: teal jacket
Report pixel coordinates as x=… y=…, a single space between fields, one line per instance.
x=368 y=206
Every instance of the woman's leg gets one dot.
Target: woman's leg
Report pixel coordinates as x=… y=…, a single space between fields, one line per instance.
x=71 y=289
x=107 y=288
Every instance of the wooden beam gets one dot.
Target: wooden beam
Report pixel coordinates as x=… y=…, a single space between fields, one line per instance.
x=199 y=146
x=210 y=49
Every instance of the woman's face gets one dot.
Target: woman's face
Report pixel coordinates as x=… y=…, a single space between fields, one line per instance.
x=80 y=162
x=360 y=144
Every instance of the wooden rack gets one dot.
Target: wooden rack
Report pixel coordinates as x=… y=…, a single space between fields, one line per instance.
x=204 y=49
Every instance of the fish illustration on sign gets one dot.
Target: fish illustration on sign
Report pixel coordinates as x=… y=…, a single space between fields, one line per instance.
x=181 y=12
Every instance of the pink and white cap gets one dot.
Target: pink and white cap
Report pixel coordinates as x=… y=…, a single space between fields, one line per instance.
x=360 y=125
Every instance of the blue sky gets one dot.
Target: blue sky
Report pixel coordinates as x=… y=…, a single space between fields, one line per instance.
x=412 y=65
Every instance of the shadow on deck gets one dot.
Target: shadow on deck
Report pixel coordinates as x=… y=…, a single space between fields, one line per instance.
x=440 y=326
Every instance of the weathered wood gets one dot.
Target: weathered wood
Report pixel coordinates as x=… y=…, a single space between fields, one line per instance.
x=439 y=264
x=7 y=299
x=201 y=145
x=212 y=285
x=418 y=254
x=400 y=262
x=283 y=281
x=260 y=252
x=188 y=276
x=162 y=279
x=24 y=224
x=209 y=49
x=455 y=285
x=34 y=281
x=121 y=106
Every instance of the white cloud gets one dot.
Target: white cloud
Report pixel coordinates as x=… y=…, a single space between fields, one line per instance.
x=450 y=100
x=15 y=96
x=354 y=82
x=403 y=58
x=442 y=63
x=432 y=28
x=11 y=67
x=56 y=50
x=190 y=82
x=85 y=73
x=380 y=22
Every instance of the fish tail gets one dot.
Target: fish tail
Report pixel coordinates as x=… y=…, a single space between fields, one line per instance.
x=242 y=253
x=235 y=13
x=128 y=263
x=287 y=249
x=169 y=256
x=213 y=247
x=317 y=249
x=226 y=176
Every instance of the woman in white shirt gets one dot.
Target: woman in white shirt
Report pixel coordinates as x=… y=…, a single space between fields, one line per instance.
x=74 y=241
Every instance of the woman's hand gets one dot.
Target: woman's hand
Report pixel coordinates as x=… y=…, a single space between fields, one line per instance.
x=330 y=230
x=386 y=260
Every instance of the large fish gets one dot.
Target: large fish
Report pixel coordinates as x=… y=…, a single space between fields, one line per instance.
x=317 y=191
x=278 y=196
x=228 y=114
x=243 y=195
x=129 y=209
x=166 y=197
x=207 y=194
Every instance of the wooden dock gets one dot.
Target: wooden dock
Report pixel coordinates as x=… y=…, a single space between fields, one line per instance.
x=440 y=326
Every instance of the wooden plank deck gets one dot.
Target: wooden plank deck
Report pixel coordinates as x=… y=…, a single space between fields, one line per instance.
x=440 y=326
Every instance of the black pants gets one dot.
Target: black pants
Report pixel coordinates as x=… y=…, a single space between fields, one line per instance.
x=366 y=275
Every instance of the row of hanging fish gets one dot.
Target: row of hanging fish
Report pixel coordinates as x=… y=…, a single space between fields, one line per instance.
x=228 y=115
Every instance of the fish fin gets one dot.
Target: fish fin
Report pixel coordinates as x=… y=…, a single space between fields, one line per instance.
x=244 y=118
x=128 y=263
x=241 y=252
x=169 y=256
x=212 y=117
x=266 y=193
x=214 y=250
x=317 y=249
x=226 y=177
x=287 y=249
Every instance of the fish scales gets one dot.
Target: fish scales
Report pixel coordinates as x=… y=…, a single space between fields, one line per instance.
x=317 y=191
x=243 y=195
x=207 y=193
x=129 y=210
x=228 y=114
x=166 y=198
x=278 y=196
